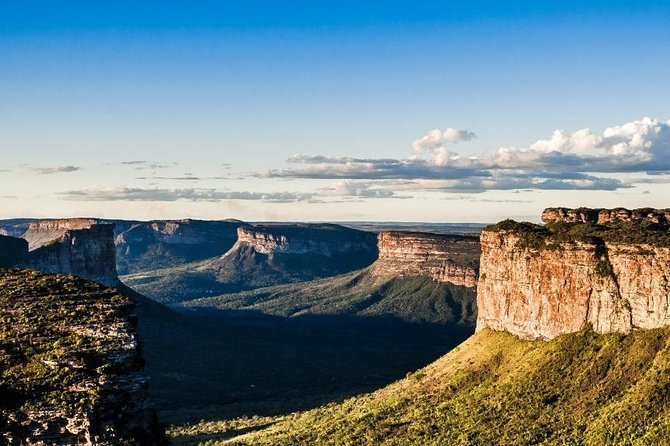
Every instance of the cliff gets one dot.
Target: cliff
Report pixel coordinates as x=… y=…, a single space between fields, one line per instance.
x=605 y=216
x=292 y=252
x=44 y=232
x=84 y=251
x=142 y=246
x=71 y=364
x=607 y=269
x=444 y=258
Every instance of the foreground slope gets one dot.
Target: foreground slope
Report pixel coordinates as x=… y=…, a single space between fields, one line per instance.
x=494 y=389
x=70 y=365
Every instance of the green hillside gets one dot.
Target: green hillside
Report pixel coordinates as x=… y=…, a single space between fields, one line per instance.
x=412 y=299
x=494 y=389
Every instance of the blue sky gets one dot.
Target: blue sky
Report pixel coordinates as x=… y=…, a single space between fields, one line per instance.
x=214 y=98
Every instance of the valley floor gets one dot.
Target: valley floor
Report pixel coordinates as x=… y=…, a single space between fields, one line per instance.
x=494 y=389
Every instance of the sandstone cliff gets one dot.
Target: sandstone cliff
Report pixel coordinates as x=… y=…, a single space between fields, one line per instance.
x=610 y=269
x=605 y=216
x=297 y=251
x=84 y=251
x=71 y=365
x=142 y=246
x=444 y=258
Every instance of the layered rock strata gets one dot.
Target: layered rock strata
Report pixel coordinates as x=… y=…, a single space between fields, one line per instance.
x=71 y=365
x=444 y=258
x=321 y=239
x=539 y=284
x=88 y=253
x=605 y=216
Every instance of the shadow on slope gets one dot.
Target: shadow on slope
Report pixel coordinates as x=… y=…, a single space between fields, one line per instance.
x=222 y=364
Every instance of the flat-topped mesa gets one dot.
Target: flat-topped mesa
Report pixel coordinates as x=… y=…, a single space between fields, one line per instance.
x=444 y=258
x=84 y=251
x=605 y=216
x=539 y=282
x=321 y=239
x=43 y=232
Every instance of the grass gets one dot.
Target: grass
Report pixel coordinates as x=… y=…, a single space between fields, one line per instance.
x=494 y=389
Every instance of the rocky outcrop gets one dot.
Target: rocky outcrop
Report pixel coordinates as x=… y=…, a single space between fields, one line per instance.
x=87 y=251
x=44 y=232
x=142 y=246
x=71 y=365
x=444 y=258
x=605 y=216
x=540 y=282
x=320 y=239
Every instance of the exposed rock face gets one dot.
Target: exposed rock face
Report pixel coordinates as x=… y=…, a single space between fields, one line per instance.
x=538 y=285
x=71 y=365
x=79 y=247
x=326 y=240
x=43 y=232
x=157 y=244
x=605 y=216
x=444 y=258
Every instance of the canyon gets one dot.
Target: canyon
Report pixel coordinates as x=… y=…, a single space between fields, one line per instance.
x=608 y=269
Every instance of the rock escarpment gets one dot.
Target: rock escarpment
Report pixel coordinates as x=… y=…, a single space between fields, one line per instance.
x=142 y=246
x=71 y=365
x=605 y=216
x=582 y=268
x=444 y=258
x=82 y=248
x=296 y=251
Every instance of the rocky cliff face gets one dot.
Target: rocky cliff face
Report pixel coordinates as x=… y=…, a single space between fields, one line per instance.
x=444 y=258
x=605 y=216
x=71 y=365
x=142 y=246
x=87 y=252
x=326 y=240
x=539 y=282
x=44 y=232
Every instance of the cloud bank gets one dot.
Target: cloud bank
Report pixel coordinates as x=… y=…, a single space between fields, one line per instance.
x=567 y=160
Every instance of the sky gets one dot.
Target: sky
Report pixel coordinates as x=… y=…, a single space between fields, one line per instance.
x=436 y=111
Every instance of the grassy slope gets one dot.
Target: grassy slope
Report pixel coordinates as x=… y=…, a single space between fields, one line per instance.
x=494 y=389
x=241 y=362
x=413 y=299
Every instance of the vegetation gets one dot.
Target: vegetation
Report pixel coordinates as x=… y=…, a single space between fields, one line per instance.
x=494 y=389
x=67 y=352
x=551 y=236
x=234 y=360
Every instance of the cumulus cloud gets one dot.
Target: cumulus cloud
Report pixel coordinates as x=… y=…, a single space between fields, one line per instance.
x=53 y=170
x=577 y=160
x=186 y=194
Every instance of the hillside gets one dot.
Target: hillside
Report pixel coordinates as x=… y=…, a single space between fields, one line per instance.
x=71 y=365
x=494 y=389
x=262 y=256
x=417 y=299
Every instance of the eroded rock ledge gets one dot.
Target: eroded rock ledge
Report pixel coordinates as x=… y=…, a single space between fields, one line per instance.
x=607 y=268
x=444 y=258
x=71 y=365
